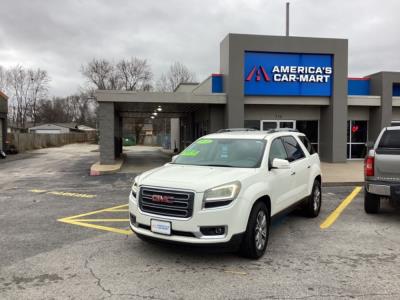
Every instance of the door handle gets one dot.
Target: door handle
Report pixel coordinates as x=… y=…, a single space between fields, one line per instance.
x=293 y=173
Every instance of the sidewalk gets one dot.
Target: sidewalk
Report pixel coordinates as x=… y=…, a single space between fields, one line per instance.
x=349 y=173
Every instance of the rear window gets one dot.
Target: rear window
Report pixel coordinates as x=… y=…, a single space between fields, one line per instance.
x=390 y=139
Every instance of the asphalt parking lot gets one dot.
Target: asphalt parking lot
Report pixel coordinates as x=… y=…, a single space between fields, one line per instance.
x=64 y=235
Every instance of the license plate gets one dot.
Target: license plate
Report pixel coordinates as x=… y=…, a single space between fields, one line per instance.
x=161 y=227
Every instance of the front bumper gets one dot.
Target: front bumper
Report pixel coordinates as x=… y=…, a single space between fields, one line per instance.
x=187 y=231
x=384 y=189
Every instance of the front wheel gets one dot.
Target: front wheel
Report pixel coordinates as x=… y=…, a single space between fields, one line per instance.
x=255 y=239
x=312 y=206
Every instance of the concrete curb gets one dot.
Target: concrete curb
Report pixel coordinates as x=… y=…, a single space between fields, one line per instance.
x=97 y=169
x=331 y=184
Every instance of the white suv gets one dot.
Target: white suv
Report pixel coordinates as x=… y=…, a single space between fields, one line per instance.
x=225 y=188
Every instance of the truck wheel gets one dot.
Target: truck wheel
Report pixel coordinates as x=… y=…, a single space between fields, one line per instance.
x=255 y=239
x=312 y=206
x=372 y=203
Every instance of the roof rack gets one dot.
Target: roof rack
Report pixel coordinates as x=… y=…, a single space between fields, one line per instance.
x=282 y=130
x=236 y=129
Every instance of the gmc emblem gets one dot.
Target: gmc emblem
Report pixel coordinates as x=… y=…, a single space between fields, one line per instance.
x=162 y=199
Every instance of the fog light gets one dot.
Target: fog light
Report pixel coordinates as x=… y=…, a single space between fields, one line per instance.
x=133 y=219
x=215 y=230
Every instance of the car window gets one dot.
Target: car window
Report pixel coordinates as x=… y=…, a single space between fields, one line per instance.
x=390 y=139
x=307 y=144
x=277 y=150
x=293 y=148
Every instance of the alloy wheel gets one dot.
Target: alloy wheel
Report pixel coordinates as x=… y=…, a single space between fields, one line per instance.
x=260 y=236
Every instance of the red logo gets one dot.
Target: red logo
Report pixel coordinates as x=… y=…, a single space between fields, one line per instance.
x=258 y=72
x=162 y=199
x=354 y=128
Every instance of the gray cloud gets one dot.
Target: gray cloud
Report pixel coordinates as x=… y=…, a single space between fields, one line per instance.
x=59 y=36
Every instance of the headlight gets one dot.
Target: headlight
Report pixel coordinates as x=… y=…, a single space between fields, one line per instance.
x=135 y=187
x=221 y=195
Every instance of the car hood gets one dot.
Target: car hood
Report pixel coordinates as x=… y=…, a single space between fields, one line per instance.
x=197 y=178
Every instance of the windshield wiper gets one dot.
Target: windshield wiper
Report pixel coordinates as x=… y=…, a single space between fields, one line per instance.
x=219 y=165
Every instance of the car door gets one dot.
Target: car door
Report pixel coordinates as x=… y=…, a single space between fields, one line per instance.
x=281 y=181
x=300 y=167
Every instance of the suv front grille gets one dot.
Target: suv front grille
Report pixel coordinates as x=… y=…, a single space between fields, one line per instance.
x=171 y=203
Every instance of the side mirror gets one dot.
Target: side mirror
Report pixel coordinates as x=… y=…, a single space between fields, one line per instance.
x=174 y=158
x=278 y=163
x=369 y=144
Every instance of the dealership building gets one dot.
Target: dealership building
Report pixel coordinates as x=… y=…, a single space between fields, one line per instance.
x=267 y=82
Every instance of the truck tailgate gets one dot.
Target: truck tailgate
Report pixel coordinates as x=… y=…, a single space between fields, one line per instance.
x=387 y=164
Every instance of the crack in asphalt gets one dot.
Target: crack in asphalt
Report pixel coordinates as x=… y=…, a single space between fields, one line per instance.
x=98 y=279
x=109 y=292
x=377 y=231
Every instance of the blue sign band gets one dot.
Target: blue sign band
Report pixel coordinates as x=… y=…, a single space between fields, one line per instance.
x=287 y=74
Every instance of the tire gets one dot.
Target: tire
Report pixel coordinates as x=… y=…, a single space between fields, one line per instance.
x=372 y=203
x=255 y=239
x=313 y=203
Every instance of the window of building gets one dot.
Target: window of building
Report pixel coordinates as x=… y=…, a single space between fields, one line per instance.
x=357 y=136
x=395 y=123
x=254 y=124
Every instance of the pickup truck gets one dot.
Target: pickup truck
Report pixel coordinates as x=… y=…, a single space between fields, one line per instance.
x=382 y=170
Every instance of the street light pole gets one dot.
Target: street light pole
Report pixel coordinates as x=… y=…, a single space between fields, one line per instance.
x=287 y=18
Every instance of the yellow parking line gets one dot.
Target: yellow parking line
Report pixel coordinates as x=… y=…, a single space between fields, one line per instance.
x=336 y=213
x=93 y=212
x=100 y=227
x=67 y=194
x=70 y=194
x=80 y=221
x=37 y=191
x=101 y=220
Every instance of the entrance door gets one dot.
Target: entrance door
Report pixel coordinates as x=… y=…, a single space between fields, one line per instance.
x=275 y=124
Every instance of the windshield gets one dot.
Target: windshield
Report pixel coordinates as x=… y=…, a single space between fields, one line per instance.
x=238 y=153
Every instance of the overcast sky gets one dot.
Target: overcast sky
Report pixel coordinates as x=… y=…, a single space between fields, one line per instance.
x=60 y=35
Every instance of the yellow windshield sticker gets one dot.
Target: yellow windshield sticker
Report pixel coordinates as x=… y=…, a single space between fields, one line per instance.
x=190 y=153
x=204 y=142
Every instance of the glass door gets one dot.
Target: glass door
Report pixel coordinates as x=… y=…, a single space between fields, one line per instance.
x=357 y=135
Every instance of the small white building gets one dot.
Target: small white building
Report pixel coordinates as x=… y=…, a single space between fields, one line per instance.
x=54 y=128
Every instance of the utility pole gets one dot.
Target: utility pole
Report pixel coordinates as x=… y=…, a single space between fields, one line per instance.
x=287 y=18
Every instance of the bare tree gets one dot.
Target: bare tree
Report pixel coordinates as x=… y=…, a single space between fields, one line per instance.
x=177 y=74
x=135 y=74
x=128 y=74
x=26 y=87
x=3 y=79
x=102 y=74
x=75 y=108
x=39 y=88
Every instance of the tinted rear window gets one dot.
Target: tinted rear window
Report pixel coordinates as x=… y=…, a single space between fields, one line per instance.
x=390 y=139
